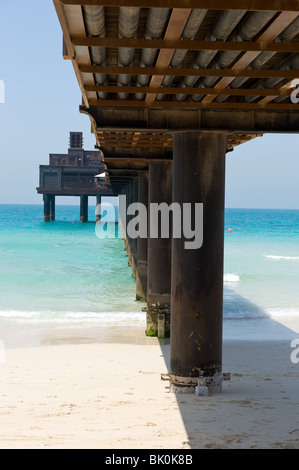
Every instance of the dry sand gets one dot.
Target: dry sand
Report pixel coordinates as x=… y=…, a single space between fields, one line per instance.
x=77 y=390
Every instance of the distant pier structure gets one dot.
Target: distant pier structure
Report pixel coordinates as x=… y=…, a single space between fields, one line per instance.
x=78 y=173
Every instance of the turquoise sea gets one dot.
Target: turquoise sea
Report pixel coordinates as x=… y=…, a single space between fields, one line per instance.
x=62 y=273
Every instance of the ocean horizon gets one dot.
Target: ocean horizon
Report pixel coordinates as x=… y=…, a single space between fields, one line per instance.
x=62 y=273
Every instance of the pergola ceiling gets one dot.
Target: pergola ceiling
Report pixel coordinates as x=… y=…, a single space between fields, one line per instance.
x=228 y=55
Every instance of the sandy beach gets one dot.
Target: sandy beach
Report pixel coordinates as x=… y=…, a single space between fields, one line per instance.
x=75 y=389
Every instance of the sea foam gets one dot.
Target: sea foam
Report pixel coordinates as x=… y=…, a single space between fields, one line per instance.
x=231 y=277
x=72 y=317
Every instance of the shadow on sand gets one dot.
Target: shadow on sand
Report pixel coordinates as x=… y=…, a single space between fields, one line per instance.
x=256 y=352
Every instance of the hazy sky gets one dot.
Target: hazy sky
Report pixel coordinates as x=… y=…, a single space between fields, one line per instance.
x=42 y=99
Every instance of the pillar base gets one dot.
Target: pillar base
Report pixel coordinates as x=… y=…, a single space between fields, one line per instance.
x=158 y=321
x=201 y=386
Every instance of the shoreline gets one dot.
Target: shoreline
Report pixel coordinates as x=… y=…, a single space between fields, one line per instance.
x=17 y=335
x=105 y=391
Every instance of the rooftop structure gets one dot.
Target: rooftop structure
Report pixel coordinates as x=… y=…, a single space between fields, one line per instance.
x=77 y=173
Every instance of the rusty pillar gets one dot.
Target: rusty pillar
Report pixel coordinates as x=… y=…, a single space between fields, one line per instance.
x=134 y=240
x=83 y=208
x=52 y=207
x=98 y=207
x=122 y=214
x=141 y=271
x=197 y=272
x=129 y=239
x=159 y=253
x=47 y=207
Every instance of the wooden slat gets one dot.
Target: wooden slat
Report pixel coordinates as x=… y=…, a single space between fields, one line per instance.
x=184 y=72
x=287 y=87
x=250 y=5
x=136 y=142
x=271 y=33
x=190 y=91
x=140 y=144
x=192 y=105
x=174 y=30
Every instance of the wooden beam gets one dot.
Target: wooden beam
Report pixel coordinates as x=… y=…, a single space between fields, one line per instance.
x=190 y=91
x=191 y=105
x=250 y=5
x=174 y=44
x=71 y=20
x=124 y=144
x=285 y=88
x=125 y=159
x=175 y=28
x=184 y=72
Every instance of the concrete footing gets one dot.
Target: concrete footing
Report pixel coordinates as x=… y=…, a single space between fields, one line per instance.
x=201 y=387
x=158 y=319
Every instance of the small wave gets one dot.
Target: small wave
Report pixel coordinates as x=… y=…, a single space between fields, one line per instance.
x=71 y=317
x=271 y=313
x=231 y=277
x=282 y=257
x=244 y=314
x=283 y=312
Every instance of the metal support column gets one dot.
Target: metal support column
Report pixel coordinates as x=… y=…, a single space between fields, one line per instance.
x=141 y=271
x=134 y=240
x=52 y=207
x=98 y=207
x=46 y=207
x=129 y=240
x=197 y=272
x=83 y=208
x=159 y=253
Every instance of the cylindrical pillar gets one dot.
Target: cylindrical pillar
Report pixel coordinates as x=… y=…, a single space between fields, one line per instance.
x=134 y=240
x=197 y=272
x=129 y=201
x=141 y=271
x=122 y=214
x=52 y=207
x=46 y=199
x=159 y=253
x=83 y=208
x=98 y=207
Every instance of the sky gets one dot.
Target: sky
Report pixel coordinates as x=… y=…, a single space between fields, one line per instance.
x=42 y=100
